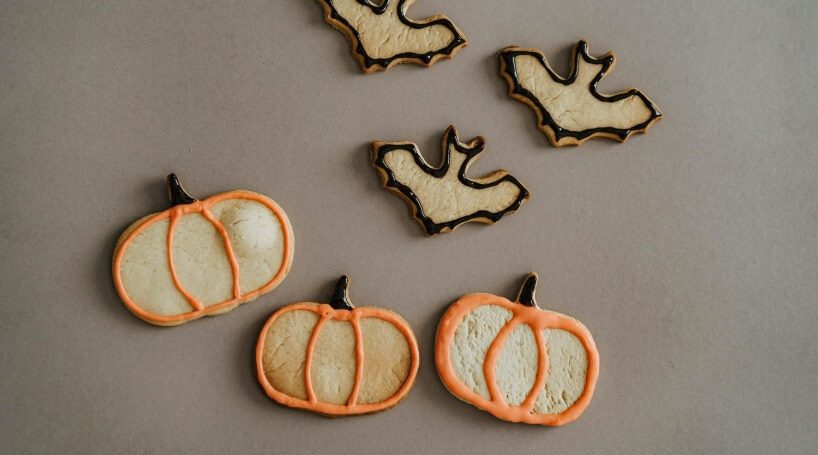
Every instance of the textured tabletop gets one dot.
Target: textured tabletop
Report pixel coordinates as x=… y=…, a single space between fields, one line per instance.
x=690 y=253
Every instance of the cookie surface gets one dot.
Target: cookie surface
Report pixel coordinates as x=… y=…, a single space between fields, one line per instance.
x=571 y=111
x=516 y=361
x=443 y=198
x=202 y=258
x=381 y=35
x=335 y=359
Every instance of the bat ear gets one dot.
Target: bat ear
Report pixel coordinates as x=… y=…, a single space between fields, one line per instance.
x=582 y=47
x=587 y=68
x=451 y=135
x=470 y=149
x=581 y=56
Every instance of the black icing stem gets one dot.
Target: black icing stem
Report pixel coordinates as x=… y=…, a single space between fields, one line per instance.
x=527 y=290
x=340 y=295
x=176 y=193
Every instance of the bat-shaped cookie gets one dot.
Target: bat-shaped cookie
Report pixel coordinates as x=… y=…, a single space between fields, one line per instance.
x=381 y=36
x=571 y=111
x=443 y=198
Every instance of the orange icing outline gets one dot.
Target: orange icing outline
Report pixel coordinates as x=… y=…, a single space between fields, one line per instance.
x=326 y=313
x=203 y=207
x=537 y=319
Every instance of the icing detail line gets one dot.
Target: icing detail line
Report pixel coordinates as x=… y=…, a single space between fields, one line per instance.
x=228 y=248
x=354 y=320
x=542 y=372
x=308 y=361
x=490 y=361
x=359 y=361
x=174 y=219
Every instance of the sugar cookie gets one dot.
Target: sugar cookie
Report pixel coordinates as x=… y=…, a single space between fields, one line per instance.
x=516 y=361
x=335 y=359
x=202 y=258
x=381 y=36
x=571 y=111
x=443 y=198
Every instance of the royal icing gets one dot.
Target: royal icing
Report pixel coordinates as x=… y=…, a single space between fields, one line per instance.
x=381 y=35
x=443 y=198
x=524 y=311
x=571 y=110
x=339 y=309
x=185 y=205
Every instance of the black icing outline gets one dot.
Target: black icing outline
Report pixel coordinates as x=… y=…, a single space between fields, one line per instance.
x=369 y=64
x=471 y=150
x=545 y=122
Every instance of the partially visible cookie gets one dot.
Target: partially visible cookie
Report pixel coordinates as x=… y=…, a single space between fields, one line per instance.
x=335 y=359
x=381 y=35
x=516 y=361
x=570 y=110
x=443 y=198
x=202 y=258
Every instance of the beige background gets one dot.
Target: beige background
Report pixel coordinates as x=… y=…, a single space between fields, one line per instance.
x=690 y=253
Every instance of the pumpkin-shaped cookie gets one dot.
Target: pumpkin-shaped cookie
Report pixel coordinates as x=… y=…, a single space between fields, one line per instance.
x=202 y=258
x=516 y=361
x=335 y=359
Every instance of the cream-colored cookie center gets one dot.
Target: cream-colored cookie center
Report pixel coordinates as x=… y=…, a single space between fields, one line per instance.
x=472 y=339
x=285 y=351
x=200 y=260
x=384 y=35
x=574 y=107
x=516 y=367
x=200 y=257
x=333 y=362
x=447 y=198
x=567 y=371
x=387 y=360
x=257 y=239
x=518 y=361
x=146 y=273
